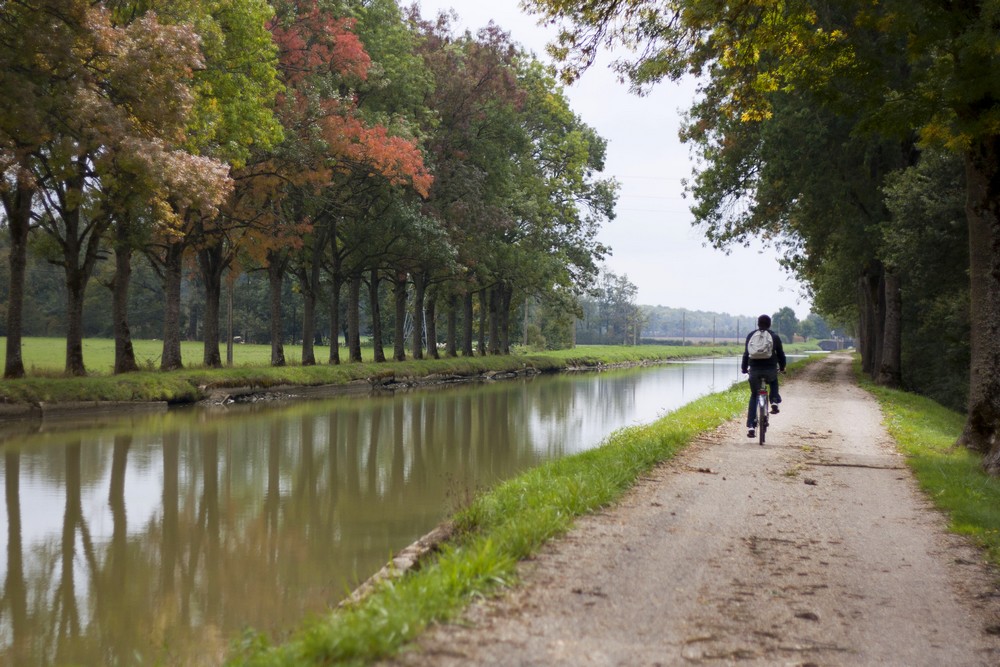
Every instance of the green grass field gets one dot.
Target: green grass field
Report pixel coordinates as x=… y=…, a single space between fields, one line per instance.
x=45 y=356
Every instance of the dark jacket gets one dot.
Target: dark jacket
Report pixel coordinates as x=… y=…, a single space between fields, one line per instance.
x=777 y=357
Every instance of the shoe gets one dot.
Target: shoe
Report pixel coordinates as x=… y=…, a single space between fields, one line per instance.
x=774 y=409
x=751 y=433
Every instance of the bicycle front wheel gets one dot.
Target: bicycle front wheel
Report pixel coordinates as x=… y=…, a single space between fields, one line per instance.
x=761 y=421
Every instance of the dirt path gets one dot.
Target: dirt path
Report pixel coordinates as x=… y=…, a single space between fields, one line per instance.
x=816 y=549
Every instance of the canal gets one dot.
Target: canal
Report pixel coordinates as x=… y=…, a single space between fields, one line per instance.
x=157 y=539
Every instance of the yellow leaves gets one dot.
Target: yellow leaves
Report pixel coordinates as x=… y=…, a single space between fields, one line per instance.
x=756 y=115
x=941 y=132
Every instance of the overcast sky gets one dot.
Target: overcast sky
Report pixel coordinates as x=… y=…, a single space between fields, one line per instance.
x=652 y=239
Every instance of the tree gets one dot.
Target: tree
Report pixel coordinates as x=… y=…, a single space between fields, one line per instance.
x=343 y=156
x=232 y=114
x=516 y=186
x=472 y=139
x=785 y=323
x=25 y=33
x=128 y=94
x=928 y=239
x=563 y=201
x=17 y=193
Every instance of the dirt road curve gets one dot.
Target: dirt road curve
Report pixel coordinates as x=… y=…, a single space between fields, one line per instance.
x=816 y=549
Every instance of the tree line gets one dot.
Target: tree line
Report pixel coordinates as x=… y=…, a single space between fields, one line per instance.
x=611 y=315
x=861 y=138
x=676 y=323
x=351 y=148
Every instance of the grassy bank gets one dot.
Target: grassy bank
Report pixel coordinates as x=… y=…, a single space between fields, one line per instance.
x=950 y=476
x=496 y=531
x=45 y=382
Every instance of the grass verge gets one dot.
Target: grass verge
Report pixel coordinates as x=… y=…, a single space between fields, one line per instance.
x=498 y=529
x=951 y=476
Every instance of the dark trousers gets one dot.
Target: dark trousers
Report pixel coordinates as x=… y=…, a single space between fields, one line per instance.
x=756 y=376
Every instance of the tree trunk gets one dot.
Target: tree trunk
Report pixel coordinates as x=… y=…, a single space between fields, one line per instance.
x=17 y=206
x=212 y=357
x=889 y=372
x=494 y=301
x=76 y=285
x=430 y=318
x=376 y=309
x=467 y=316
x=81 y=247
x=276 y=261
x=525 y=323
x=335 y=283
x=418 y=315
x=870 y=326
x=506 y=294
x=212 y=264
x=879 y=320
x=76 y=274
x=484 y=309
x=864 y=325
x=309 y=285
x=982 y=425
x=124 y=353
x=451 y=344
x=399 y=328
x=308 y=327
x=173 y=264
x=354 y=318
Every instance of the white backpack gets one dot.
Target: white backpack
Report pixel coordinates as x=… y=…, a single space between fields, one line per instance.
x=760 y=345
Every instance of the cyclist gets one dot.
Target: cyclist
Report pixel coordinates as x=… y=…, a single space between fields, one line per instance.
x=763 y=359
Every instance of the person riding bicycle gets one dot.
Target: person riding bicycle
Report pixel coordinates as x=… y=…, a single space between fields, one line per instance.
x=763 y=359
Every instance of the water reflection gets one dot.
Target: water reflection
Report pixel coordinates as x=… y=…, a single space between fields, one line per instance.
x=158 y=538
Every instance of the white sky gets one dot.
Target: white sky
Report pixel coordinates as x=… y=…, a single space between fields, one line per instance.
x=652 y=239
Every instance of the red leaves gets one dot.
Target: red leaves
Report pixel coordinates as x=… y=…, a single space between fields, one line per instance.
x=354 y=144
x=319 y=55
x=312 y=42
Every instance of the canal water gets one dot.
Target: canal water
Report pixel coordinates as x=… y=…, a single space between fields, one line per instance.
x=157 y=539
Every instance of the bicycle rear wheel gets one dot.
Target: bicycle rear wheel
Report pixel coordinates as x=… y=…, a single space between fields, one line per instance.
x=761 y=421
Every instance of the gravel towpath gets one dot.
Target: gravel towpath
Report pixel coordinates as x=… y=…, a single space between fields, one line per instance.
x=815 y=549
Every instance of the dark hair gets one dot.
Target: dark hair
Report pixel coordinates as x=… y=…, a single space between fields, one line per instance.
x=764 y=322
